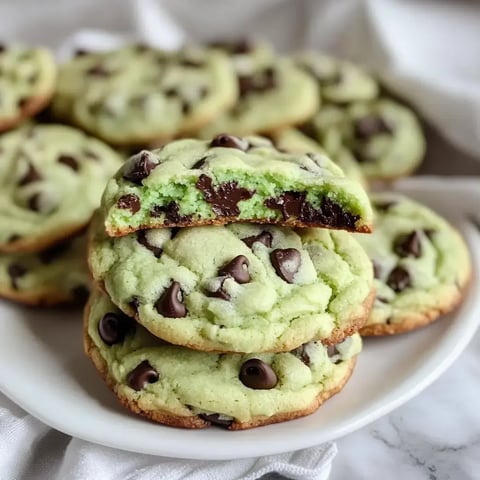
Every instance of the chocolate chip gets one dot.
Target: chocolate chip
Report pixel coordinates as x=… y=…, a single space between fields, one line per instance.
x=286 y=262
x=203 y=92
x=141 y=375
x=264 y=237
x=69 y=161
x=13 y=238
x=235 y=48
x=16 y=271
x=80 y=294
x=3 y=48
x=371 y=125
x=215 y=419
x=49 y=255
x=408 y=245
x=141 y=47
x=98 y=71
x=80 y=52
x=142 y=240
x=171 y=92
x=31 y=176
x=224 y=197
x=134 y=303
x=170 y=303
x=291 y=204
x=246 y=85
x=130 y=202
x=377 y=269
x=237 y=269
x=172 y=214
x=384 y=206
x=189 y=62
x=113 y=327
x=304 y=357
x=139 y=167
x=34 y=202
x=186 y=107
x=399 y=279
x=200 y=163
x=229 y=141
x=22 y=102
x=429 y=233
x=220 y=292
x=332 y=351
x=257 y=374
x=330 y=213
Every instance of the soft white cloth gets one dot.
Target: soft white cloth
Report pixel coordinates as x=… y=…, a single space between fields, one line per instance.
x=428 y=51
x=30 y=450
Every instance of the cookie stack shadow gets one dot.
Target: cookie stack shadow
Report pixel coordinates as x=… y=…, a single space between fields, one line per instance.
x=234 y=310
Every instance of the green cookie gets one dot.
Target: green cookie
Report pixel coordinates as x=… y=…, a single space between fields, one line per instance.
x=55 y=276
x=195 y=182
x=384 y=136
x=51 y=179
x=422 y=266
x=27 y=82
x=237 y=288
x=136 y=95
x=190 y=389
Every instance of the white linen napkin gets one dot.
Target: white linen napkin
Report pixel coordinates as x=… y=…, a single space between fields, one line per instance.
x=30 y=450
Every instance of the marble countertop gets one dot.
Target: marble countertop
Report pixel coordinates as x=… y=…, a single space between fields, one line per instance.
x=436 y=435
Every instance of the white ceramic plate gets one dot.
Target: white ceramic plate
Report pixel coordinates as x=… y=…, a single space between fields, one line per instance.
x=43 y=369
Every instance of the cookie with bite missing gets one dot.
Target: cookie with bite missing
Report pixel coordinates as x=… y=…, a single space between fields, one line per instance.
x=27 y=82
x=384 y=136
x=421 y=264
x=197 y=182
x=51 y=181
x=237 y=288
x=58 y=275
x=137 y=95
x=190 y=389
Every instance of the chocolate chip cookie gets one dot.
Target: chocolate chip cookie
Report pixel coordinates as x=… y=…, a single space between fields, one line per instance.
x=51 y=179
x=421 y=264
x=58 y=275
x=190 y=389
x=384 y=136
x=274 y=94
x=237 y=288
x=194 y=182
x=27 y=82
x=136 y=95
x=295 y=141
x=339 y=81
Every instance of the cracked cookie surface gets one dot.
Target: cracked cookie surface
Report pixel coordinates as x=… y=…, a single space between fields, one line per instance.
x=237 y=288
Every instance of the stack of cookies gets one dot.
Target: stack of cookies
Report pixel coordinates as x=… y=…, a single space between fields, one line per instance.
x=232 y=277
x=229 y=291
